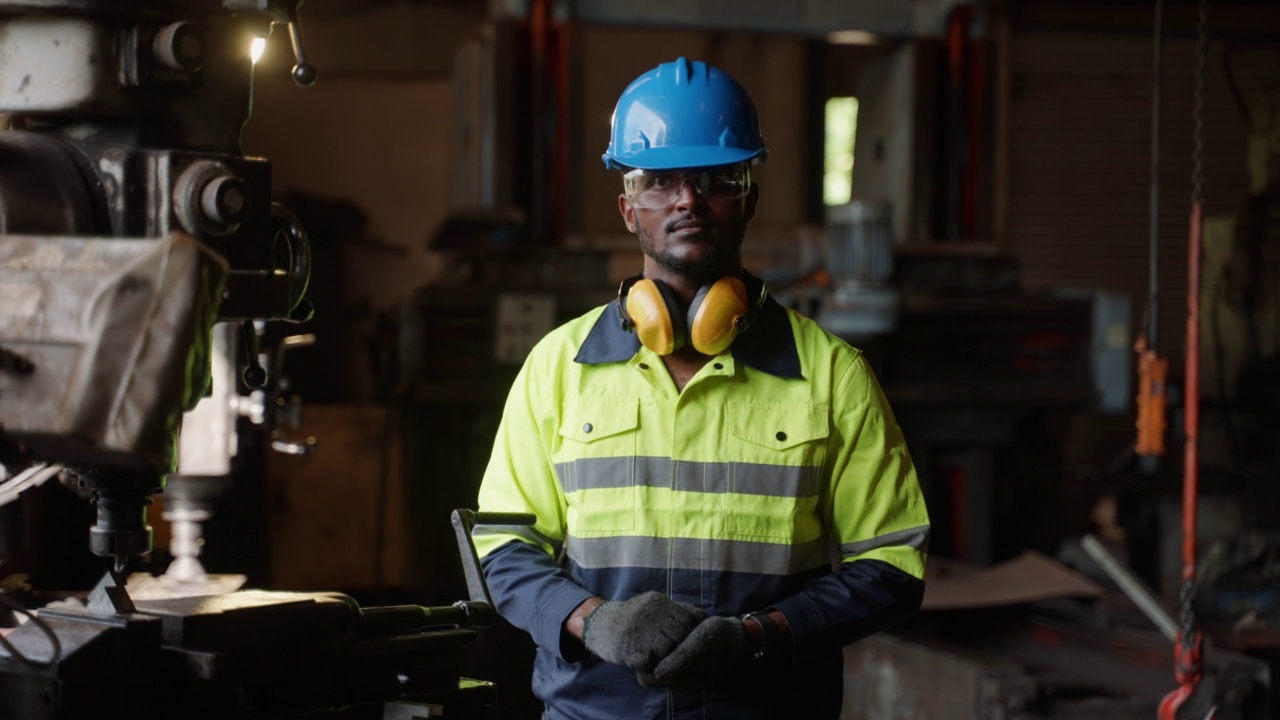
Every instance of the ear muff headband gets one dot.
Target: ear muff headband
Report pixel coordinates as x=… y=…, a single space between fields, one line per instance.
x=714 y=313
x=718 y=313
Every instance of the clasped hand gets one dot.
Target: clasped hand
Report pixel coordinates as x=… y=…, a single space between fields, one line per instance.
x=668 y=643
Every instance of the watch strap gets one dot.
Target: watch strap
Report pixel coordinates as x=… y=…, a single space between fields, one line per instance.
x=768 y=633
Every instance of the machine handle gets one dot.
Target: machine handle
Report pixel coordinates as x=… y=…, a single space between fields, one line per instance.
x=304 y=73
x=392 y=620
x=299 y=245
x=464 y=521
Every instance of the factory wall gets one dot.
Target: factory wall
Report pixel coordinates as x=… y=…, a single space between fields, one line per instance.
x=1079 y=138
x=378 y=140
x=377 y=132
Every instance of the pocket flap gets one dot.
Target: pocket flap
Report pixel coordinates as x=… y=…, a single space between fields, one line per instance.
x=779 y=425
x=587 y=419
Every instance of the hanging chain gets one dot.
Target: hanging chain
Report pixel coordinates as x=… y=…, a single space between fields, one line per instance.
x=1202 y=70
x=1188 y=614
x=1189 y=588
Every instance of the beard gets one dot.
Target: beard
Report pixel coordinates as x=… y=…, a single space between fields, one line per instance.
x=706 y=267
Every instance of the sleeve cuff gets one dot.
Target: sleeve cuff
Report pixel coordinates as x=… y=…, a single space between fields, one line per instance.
x=550 y=626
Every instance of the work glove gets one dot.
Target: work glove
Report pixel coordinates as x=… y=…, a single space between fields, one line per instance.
x=711 y=650
x=639 y=632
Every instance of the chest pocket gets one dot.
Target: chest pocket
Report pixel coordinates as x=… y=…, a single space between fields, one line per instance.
x=596 y=464
x=777 y=452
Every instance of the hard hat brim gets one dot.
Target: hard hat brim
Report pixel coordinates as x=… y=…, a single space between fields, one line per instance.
x=676 y=158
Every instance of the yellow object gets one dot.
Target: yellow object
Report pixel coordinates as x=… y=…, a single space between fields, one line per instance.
x=649 y=306
x=710 y=324
x=1153 y=373
x=760 y=478
x=714 y=313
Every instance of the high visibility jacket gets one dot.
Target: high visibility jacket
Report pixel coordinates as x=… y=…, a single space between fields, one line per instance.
x=777 y=479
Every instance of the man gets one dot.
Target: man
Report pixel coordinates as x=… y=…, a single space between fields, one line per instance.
x=723 y=497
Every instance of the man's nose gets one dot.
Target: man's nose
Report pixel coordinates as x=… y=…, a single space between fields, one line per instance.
x=688 y=195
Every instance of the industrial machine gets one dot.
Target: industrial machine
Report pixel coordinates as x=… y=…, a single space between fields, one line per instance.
x=140 y=254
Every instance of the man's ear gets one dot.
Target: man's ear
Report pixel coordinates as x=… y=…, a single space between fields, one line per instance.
x=628 y=212
x=749 y=207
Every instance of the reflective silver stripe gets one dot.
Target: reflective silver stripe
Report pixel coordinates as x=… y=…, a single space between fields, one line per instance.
x=689 y=476
x=916 y=538
x=775 y=480
x=598 y=473
x=520 y=531
x=701 y=477
x=695 y=554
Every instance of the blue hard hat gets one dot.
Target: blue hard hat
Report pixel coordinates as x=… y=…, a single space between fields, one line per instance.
x=684 y=114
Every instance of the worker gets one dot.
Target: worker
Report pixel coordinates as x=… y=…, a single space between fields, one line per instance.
x=723 y=496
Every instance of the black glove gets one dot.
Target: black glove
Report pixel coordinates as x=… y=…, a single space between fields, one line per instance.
x=639 y=632
x=712 y=649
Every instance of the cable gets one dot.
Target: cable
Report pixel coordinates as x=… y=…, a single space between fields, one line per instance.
x=1152 y=314
x=55 y=654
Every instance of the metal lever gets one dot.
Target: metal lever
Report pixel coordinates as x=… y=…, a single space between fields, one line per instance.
x=1132 y=586
x=254 y=375
x=277 y=362
x=464 y=521
x=299 y=449
x=402 y=619
x=287 y=412
x=304 y=73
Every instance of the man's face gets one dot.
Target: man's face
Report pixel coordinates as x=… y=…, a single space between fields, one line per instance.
x=684 y=221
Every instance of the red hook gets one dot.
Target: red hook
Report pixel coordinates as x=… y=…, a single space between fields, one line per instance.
x=1191 y=699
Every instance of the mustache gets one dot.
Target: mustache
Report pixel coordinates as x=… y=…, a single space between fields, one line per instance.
x=688 y=221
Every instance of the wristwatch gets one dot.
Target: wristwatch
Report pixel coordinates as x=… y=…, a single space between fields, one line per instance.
x=768 y=633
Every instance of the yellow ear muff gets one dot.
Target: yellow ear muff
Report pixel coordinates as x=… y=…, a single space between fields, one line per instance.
x=650 y=306
x=714 y=313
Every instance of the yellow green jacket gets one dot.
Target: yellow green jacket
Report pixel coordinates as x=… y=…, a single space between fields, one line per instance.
x=778 y=478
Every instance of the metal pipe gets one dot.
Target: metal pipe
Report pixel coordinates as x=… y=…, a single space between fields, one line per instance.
x=1132 y=587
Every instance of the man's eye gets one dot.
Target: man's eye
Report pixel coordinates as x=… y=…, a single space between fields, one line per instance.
x=659 y=182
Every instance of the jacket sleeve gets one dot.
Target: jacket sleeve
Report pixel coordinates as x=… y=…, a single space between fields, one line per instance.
x=874 y=508
x=528 y=587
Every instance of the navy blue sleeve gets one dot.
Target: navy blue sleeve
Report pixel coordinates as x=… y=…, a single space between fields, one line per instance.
x=535 y=594
x=862 y=598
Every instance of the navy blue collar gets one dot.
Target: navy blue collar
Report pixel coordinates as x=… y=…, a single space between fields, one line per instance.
x=769 y=345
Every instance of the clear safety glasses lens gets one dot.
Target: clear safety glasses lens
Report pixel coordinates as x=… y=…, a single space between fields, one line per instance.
x=660 y=188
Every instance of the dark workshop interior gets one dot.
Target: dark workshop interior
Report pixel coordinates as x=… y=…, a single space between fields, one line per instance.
x=322 y=237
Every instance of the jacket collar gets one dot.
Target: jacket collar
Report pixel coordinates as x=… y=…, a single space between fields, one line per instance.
x=769 y=345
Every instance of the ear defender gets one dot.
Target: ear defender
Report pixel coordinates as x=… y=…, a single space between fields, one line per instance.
x=714 y=318
x=714 y=313
x=652 y=308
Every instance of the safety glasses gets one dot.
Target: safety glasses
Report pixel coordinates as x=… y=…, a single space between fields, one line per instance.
x=661 y=188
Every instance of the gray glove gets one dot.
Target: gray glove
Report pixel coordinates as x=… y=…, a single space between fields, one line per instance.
x=639 y=632
x=712 y=649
